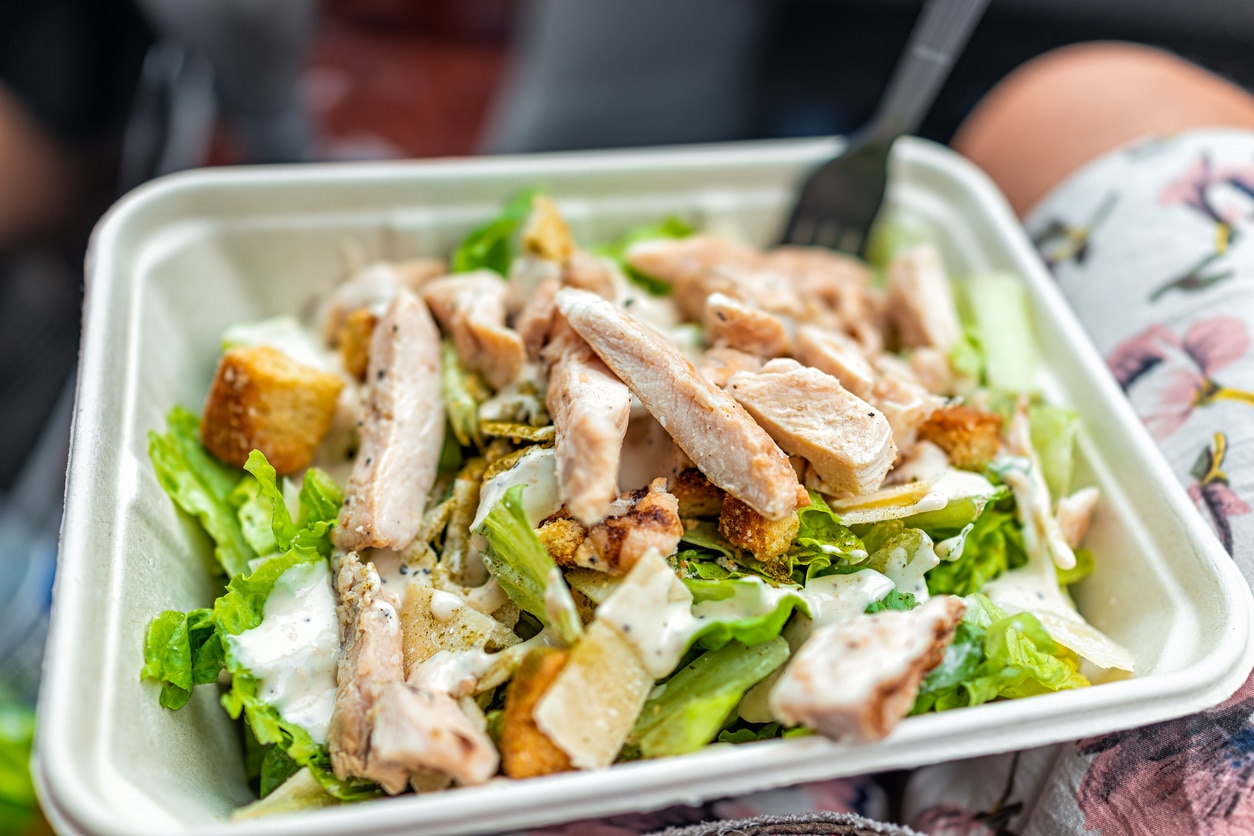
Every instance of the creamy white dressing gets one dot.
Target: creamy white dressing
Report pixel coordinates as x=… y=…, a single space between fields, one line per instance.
x=951 y=548
x=444 y=605
x=909 y=560
x=463 y=673
x=292 y=653
x=833 y=598
x=536 y=470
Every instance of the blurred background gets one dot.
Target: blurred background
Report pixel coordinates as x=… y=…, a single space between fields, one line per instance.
x=97 y=96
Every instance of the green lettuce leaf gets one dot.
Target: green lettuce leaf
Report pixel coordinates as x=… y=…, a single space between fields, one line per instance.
x=463 y=392
x=1053 y=431
x=201 y=486
x=994 y=655
x=746 y=610
x=182 y=650
x=524 y=569
x=999 y=312
x=993 y=545
x=19 y=807
x=488 y=247
x=894 y=600
x=689 y=709
x=822 y=540
x=281 y=523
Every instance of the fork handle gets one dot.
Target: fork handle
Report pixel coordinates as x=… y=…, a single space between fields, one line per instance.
x=938 y=37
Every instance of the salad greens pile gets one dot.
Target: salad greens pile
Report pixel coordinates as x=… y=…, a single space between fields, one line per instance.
x=272 y=533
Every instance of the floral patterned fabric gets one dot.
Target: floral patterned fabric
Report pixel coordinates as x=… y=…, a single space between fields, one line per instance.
x=1153 y=246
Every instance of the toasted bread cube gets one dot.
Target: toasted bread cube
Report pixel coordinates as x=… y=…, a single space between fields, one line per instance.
x=525 y=750
x=262 y=399
x=969 y=436
x=697 y=495
x=354 y=341
x=562 y=535
x=746 y=528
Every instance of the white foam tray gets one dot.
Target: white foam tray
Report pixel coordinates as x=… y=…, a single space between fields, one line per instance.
x=181 y=258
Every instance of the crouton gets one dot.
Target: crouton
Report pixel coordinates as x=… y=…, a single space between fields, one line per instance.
x=546 y=234
x=561 y=535
x=969 y=436
x=746 y=528
x=697 y=495
x=261 y=399
x=525 y=750
x=354 y=341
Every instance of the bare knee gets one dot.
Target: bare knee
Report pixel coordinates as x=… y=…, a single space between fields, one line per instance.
x=1059 y=111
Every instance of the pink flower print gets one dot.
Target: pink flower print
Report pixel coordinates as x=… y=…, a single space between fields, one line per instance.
x=1211 y=492
x=1192 y=775
x=1187 y=381
x=1224 y=195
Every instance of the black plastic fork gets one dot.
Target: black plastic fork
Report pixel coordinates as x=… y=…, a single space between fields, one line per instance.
x=840 y=200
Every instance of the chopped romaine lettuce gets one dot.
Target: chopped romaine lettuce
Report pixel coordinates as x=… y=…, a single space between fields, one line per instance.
x=1053 y=431
x=463 y=391
x=517 y=559
x=992 y=546
x=995 y=655
x=689 y=709
x=488 y=247
x=822 y=540
x=998 y=305
x=201 y=486
x=747 y=610
x=894 y=600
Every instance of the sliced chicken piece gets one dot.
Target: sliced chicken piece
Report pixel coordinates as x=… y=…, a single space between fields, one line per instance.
x=402 y=432
x=730 y=322
x=847 y=441
x=417 y=730
x=838 y=355
x=590 y=409
x=905 y=404
x=718 y=364
x=638 y=521
x=1074 y=514
x=471 y=307
x=535 y=320
x=370 y=657
x=673 y=259
x=828 y=282
x=855 y=679
x=921 y=300
x=931 y=368
x=711 y=428
x=373 y=288
x=584 y=271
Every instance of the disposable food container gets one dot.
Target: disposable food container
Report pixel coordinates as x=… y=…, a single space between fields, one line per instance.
x=178 y=260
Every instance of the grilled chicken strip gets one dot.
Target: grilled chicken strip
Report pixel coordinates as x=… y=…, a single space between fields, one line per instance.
x=417 y=731
x=370 y=657
x=707 y=424
x=847 y=441
x=402 y=432
x=730 y=322
x=590 y=409
x=921 y=301
x=471 y=306
x=838 y=355
x=855 y=679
